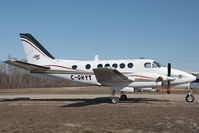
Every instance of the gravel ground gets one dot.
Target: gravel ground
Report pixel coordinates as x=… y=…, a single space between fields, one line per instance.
x=89 y=110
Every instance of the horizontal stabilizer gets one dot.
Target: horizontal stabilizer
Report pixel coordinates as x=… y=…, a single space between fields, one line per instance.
x=107 y=76
x=26 y=66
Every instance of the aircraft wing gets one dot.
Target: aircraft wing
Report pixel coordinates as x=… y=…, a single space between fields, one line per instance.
x=26 y=66
x=107 y=76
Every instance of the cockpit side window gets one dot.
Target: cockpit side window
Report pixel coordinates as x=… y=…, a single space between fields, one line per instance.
x=147 y=65
x=157 y=64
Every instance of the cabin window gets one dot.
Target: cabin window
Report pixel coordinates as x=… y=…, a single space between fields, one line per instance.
x=122 y=65
x=88 y=66
x=114 y=65
x=147 y=65
x=130 y=65
x=99 y=66
x=74 y=66
x=107 y=65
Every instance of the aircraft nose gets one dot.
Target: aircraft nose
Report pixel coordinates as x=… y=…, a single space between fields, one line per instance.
x=184 y=77
x=191 y=77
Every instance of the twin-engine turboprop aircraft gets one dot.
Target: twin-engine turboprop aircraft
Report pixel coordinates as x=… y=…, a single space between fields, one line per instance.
x=120 y=75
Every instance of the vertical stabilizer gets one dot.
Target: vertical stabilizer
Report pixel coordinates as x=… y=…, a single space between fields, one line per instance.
x=35 y=52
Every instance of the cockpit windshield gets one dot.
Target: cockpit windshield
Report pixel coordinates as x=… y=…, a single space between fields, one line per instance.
x=158 y=64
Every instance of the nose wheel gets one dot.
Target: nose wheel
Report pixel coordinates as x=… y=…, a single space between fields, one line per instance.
x=189 y=97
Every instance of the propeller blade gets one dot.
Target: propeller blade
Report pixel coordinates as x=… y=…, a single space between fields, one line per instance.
x=169 y=75
x=169 y=69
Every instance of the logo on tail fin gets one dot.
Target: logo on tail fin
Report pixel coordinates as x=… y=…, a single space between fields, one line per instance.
x=37 y=57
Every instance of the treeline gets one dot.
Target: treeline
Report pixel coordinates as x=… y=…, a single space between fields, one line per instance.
x=12 y=77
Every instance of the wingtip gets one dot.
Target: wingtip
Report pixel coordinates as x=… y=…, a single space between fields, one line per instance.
x=9 y=60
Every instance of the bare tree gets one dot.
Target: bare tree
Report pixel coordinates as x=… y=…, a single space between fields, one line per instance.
x=12 y=77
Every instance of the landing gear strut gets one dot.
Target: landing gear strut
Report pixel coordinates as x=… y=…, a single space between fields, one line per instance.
x=114 y=99
x=189 y=97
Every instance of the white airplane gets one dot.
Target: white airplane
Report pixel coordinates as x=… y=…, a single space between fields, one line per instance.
x=120 y=75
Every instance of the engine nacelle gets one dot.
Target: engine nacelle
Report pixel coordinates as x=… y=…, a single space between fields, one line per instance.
x=145 y=89
x=122 y=88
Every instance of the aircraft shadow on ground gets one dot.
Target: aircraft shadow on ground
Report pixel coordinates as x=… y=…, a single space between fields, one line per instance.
x=80 y=102
x=101 y=100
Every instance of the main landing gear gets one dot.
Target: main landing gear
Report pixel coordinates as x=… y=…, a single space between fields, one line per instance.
x=115 y=99
x=123 y=96
x=189 y=97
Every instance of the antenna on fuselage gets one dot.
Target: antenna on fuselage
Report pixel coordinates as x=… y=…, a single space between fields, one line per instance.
x=96 y=58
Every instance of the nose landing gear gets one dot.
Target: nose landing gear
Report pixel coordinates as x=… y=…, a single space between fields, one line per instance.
x=189 y=97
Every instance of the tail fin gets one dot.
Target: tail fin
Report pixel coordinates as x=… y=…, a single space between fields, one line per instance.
x=35 y=52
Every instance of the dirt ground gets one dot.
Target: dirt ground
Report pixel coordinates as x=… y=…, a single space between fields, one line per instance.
x=89 y=110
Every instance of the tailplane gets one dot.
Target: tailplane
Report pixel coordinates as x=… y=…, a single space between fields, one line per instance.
x=35 y=52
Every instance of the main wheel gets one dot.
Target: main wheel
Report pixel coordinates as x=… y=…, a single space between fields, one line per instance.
x=189 y=98
x=123 y=97
x=115 y=100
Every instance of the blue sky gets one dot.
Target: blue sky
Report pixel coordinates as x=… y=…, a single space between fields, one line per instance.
x=164 y=30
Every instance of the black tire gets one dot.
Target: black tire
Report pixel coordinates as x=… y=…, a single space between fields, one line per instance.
x=115 y=100
x=189 y=98
x=123 y=97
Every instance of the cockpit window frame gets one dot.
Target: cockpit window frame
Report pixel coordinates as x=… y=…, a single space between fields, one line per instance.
x=154 y=66
x=158 y=64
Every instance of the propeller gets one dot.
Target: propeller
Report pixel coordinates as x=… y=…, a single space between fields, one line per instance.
x=169 y=75
x=169 y=78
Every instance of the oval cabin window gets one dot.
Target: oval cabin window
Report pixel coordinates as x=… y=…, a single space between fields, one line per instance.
x=122 y=65
x=130 y=65
x=74 y=66
x=107 y=65
x=99 y=66
x=114 y=65
x=88 y=66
